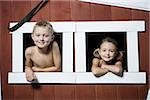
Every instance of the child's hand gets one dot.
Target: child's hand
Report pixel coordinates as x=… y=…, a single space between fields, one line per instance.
x=103 y=65
x=36 y=69
x=30 y=76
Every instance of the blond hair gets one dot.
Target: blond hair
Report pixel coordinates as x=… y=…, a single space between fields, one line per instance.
x=44 y=23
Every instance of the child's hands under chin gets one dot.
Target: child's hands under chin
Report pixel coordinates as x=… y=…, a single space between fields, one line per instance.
x=103 y=65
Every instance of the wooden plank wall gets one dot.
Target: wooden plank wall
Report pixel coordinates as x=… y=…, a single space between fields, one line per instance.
x=69 y=10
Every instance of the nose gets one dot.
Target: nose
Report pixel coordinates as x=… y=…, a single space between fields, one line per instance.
x=41 y=38
x=107 y=52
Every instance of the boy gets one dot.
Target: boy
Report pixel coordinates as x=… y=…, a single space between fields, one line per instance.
x=45 y=55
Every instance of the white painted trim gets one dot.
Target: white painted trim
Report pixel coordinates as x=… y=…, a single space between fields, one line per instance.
x=58 y=27
x=88 y=77
x=80 y=75
x=66 y=28
x=80 y=51
x=110 y=26
x=132 y=78
x=135 y=4
x=130 y=27
x=42 y=77
x=17 y=52
x=148 y=95
x=133 y=52
x=67 y=55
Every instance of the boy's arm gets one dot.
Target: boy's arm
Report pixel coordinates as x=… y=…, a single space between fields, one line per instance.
x=97 y=71
x=117 y=68
x=56 y=56
x=28 y=64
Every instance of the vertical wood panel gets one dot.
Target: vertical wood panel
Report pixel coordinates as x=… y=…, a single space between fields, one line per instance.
x=80 y=11
x=6 y=50
x=43 y=13
x=69 y=10
x=85 y=92
x=142 y=92
x=118 y=13
x=19 y=9
x=60 y=10
x=127 y=92
x=64 y=92
x=44 y=92
x=23 y=92
x=106 y=92
x=100 y=12
x=75 y=8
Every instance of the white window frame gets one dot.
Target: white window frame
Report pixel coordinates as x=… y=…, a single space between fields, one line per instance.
x=18 y=76
x=80 y=75
x=131 y=28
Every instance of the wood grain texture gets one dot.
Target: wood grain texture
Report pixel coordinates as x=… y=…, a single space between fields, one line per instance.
x=64 y=92
x=60 y=10
x=42 y=14
x=85 y=92
x=100 y=12
x=69 y=10
x=118 y=13
x=5 y=49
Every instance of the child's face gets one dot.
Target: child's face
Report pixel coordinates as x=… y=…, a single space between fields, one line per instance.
x=107 y=51
x=42 y=37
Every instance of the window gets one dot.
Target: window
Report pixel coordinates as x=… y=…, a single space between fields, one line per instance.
x=80 y=34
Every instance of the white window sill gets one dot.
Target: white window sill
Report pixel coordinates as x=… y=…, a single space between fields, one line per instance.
x=78 y=78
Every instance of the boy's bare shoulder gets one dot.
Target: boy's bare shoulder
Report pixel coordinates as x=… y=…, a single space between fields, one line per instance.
x=30 y=50
x=55 y=44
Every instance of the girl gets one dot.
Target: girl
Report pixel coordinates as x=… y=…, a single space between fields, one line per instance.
x=107 y=58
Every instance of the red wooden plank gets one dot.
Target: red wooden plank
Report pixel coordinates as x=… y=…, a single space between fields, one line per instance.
x=118 y=13
x=60 y=10
x=19 y=9
x=43 y=13
x=23 y=92
x=143 y=92
x=44 y=92
x=100 y=12
x=106 y=92
x=127 y=92
x=85 y=92
x=7 y=90
x=64 y=92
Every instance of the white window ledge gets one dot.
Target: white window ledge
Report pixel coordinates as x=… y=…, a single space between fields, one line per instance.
x=128 y=77
x=79 y=78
